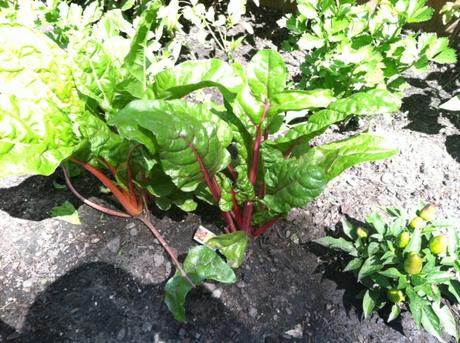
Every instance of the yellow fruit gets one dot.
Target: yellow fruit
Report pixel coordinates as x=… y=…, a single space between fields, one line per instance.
x=403 y=239
x=362 y=232
x=416 y=223
x=438 y=244
x=428 y=213
x=395 y=295
x=413 y=264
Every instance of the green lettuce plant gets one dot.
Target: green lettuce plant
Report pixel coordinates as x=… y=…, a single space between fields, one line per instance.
x=404 y=266
x=352 y=47
x=71 y=100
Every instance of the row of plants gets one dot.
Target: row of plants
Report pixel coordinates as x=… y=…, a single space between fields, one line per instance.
x=97 y=88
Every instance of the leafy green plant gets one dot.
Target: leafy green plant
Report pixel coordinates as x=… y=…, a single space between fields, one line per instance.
x=450 y=11
x=352 y=47
x=75 y=101
x=405 y=266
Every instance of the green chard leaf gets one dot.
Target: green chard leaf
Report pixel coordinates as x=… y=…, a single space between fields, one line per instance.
x=201 y=264
x=295 y=182
x=39 y=103
x=267 y=75
x=296 y=100
x=189 y=76
x=374 y=101
x=178 y=131
x=232 y=246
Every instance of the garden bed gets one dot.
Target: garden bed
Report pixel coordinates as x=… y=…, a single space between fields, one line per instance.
x=103 y=280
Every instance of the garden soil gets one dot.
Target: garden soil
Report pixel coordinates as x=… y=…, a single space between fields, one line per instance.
x=103 y=280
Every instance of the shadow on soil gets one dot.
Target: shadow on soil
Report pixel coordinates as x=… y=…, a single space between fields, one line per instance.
x=424 y=117
x=35 y=197
x=98 y=302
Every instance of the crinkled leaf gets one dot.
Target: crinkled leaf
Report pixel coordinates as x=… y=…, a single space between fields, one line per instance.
x=226 y=199
x=335 y=157
x=206 y=264
x=374 y=101
x=302 y=133
x=232 y=246
x=174 y=129
x=267 y=75
x=39 y=103
x=189 y=76
x=296 y=100
x=294 y=182
x=96 y=74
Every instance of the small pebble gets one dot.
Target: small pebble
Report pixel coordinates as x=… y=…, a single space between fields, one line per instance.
x=158 y=260
x=27 y=283
x=114 y=245
x=253 y=312
x=121 y=334
x=217 y=293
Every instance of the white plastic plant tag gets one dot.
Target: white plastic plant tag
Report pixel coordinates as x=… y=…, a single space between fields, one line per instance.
x=202 y=235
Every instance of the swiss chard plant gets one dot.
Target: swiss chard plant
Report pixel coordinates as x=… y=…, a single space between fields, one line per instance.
x=405 y=263
x=69 y=99
x=352 y=47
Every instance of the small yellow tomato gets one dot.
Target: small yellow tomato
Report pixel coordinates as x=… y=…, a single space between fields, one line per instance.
x=438 y=244
x=362 y=232
x=428 y=213
x=403 y=239
x=413 y=264
x=396 y=295
x=416 y=223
